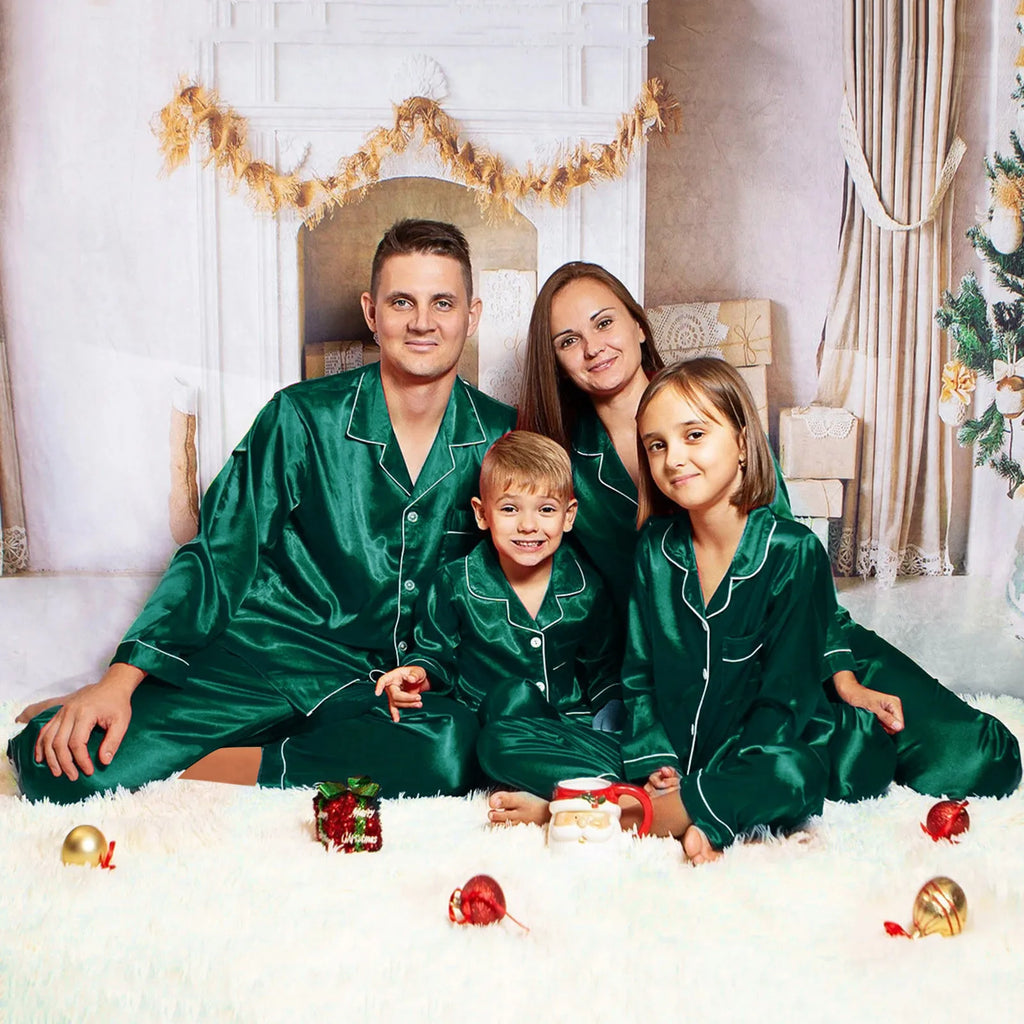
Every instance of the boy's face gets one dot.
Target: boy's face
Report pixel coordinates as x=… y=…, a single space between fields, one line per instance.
x=526 y=526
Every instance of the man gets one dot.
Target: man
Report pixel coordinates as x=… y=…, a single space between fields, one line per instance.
x=315 y=540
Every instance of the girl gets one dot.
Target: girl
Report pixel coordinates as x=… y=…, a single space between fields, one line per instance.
x=726 y=716
x=589 y=357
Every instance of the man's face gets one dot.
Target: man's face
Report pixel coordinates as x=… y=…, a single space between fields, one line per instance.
x=421 y=315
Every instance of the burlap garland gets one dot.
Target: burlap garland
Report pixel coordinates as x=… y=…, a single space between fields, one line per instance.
x=196 y=114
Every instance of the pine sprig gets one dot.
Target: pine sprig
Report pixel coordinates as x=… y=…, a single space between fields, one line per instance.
x=986 y=433
x=1010 y=470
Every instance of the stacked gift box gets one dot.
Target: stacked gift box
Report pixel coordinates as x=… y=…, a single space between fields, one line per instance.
x=817 y=452
x=817 y=444
x=739 y=331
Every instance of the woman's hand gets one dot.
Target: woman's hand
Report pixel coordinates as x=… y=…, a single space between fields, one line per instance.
x=886 y=707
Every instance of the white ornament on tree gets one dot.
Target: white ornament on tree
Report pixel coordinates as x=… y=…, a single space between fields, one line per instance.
x=1006 y=230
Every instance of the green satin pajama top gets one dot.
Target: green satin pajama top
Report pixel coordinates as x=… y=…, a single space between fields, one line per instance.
x=605 y=526
x=313 y=541
x=741 y=673
x=474 y=635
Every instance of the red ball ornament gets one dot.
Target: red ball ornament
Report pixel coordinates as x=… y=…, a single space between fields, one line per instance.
x=948 y=818
x=479 y=901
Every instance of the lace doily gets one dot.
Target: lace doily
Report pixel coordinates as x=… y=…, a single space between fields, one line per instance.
x=14 y=542
x=337 y=360
x=824 y=421
x=885 y=564
x=687 y=330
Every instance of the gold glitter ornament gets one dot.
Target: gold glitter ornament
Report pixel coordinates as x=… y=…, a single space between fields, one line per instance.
x=940 y=908
x=85 y=844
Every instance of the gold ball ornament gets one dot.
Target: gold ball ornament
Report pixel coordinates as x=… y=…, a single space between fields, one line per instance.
x=940 y=908
x=84 y=844
x=1010 y=396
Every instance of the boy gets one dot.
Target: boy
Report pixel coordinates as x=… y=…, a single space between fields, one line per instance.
x=522 y=633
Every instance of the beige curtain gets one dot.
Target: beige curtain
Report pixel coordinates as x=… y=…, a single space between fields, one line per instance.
x=881 y=352
x=13 y=540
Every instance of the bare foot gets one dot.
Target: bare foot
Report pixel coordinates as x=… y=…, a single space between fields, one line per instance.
x=697 y=848
x=517 y=808
x=39 y=707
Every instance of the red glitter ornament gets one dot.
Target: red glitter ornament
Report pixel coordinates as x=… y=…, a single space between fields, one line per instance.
x=948 y=818
x=479 y=901
x=348 y=816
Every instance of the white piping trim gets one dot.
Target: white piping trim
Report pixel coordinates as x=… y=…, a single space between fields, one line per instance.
x=672 y=756
x=600 y=479
x=166 y=654
x=838 y=650
x=358 y=679
x=746 y=657
x=700 y=790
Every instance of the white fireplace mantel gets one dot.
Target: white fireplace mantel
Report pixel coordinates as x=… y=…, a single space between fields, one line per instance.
x=315 y=78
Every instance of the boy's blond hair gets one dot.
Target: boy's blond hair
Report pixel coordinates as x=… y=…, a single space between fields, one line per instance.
x=527 y=460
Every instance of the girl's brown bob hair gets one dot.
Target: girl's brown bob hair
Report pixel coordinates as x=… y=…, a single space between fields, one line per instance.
x=714 y=388
x=549 y=403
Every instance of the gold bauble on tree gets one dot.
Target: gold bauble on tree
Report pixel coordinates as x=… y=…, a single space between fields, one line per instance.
x=85 y=844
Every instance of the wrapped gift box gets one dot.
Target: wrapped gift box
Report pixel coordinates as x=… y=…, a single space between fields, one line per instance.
x=817 y=442
x=818 y=499
x=739 y=331
x=756 y=378
x=324 y=358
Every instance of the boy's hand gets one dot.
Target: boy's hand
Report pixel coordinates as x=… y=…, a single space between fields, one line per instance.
x=664 y=780
x=404 y=686
x=886 y=707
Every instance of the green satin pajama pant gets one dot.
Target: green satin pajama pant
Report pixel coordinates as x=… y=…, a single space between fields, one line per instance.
x=527 y=744
x=227 y=704
x=946 y=747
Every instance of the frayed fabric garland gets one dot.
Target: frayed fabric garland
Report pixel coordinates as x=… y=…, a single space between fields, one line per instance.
x=197 y=114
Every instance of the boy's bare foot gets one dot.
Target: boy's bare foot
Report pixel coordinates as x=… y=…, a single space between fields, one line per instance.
x=517 y=808
x=39 y=707
x=697 y=848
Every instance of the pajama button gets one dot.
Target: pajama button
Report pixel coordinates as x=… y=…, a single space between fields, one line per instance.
x=705 y=673
x=409 y=585
x=413 y=516
x=535 y=642
x=540 y=684
x=403 y=646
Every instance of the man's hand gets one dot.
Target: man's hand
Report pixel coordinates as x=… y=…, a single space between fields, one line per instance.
x=886 y=707
x=404 y=686
x=107 y=705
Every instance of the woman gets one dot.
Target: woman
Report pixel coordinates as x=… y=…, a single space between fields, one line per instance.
x=590 y=354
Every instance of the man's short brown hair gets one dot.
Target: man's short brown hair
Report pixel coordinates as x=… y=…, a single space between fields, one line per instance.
x=432 y=237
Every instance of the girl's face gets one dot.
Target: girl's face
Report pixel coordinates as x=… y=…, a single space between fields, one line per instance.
x=597 y=341
x=694 y=457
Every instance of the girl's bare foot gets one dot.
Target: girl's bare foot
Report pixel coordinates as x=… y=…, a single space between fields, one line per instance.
x=39 y=707
x=697 y=848
x=517 y=808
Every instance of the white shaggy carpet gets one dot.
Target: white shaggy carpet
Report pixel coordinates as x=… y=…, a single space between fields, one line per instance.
x=223 y=907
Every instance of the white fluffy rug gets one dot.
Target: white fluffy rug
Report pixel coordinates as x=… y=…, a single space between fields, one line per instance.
x=223 y=907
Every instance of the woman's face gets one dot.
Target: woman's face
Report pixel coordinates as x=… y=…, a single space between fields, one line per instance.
x=596 y=340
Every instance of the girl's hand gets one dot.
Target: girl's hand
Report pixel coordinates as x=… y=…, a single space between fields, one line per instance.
x=886 y=707
x=404 y=686
x=664 y=780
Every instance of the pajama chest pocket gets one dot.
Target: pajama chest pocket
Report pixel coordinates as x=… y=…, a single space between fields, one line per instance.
x=460 y=534
x=738 y=649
